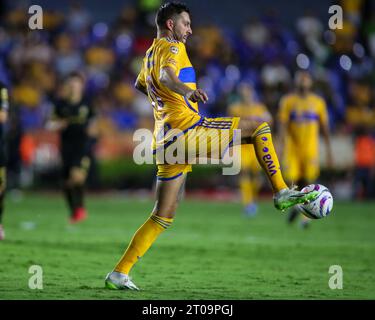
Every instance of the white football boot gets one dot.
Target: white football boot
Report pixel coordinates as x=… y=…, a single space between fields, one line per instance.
x=119 y=281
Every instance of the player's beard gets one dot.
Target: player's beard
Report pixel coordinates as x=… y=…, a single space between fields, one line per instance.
x=178 y=37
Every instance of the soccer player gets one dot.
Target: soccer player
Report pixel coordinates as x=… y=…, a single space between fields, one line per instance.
x=250 y=109
x=73 y=117
x=168 y=78
x=302 y=114
x=4 y=105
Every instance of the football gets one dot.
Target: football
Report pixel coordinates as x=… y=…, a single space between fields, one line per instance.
x=321 y=206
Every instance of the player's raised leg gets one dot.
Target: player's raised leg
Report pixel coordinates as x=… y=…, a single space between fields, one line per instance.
x=168 y=193
x=259 y=134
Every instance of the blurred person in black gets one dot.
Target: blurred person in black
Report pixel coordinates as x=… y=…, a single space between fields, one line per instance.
x=4 y=105
x=73 y=117
x=14 y=136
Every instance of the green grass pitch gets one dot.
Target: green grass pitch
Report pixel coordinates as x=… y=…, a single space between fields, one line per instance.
x=211 y=251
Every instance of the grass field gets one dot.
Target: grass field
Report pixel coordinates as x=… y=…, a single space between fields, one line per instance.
x=210 y=252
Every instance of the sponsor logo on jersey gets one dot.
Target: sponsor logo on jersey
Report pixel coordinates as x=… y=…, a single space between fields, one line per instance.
x=174 y=49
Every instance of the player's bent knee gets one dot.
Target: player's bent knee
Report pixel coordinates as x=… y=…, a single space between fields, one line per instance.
x=248 y=127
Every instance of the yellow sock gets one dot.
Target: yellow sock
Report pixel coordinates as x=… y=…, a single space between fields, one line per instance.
x=142 y=241
x=267 y=157
x=246 y=190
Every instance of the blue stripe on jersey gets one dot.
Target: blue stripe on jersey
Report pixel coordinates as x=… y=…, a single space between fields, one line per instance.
x=171 y=178
x=304 y=117
x=149 y=62
x=187 y=75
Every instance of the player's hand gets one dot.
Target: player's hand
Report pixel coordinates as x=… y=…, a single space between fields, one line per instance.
x=56 y=125
x=197 y=95
x=63 y=124
x=3 y=116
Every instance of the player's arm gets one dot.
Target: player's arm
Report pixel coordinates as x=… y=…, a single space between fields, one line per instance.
x=3 y=116
x=93 y=125
x=140 y=83
x=169 y=79
x=324 y=125
x=327 y=141
x=4 y=104
x=93 y=129
x=283 y=118
x=282 y=127
x=55 y=122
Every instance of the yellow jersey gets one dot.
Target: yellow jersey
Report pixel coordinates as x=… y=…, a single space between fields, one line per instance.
x=171 y=110
x=302 y=117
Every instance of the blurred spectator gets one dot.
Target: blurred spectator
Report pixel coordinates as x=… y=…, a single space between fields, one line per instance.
x=67 y=58
x=78 y=19
x=369 y=31
x=309 y=26
x=255 y=34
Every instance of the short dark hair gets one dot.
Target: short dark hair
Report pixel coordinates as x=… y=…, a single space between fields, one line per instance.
x=168 y=10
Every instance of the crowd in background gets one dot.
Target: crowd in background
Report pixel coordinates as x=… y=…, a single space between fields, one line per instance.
x=265 y=53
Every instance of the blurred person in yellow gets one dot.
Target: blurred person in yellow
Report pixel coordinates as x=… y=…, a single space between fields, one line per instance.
x=249 y=108
x=302 y=115
x=4 y=106
x=168 y=78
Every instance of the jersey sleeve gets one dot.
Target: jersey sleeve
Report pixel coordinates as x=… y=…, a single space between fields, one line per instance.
x=283 y=114
x=141 y=79
x=171 y=55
